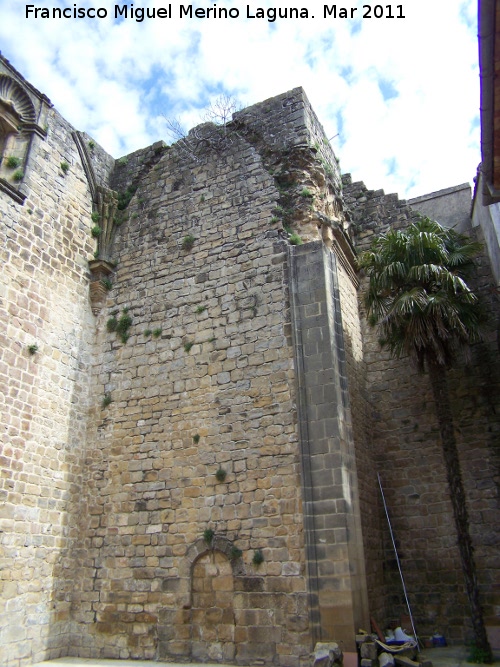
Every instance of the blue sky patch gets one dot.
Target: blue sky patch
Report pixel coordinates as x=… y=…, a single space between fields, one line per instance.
x=388 y=89
x=392 y=166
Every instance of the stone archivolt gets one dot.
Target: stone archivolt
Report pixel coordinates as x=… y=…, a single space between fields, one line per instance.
x=18 y=123
x=13 y=96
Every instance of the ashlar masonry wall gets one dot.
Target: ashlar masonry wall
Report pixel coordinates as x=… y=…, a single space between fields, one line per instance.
x=195 y=410
x=152 y=456
x=46 y=328
x=406 y=444
x=203 y=383
x=332 y=522
x=205 y=386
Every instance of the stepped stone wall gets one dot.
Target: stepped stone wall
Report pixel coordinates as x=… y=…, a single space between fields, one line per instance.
x=407 y=450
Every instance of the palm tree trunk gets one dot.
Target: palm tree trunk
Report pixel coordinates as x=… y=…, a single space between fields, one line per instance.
x=439 y=385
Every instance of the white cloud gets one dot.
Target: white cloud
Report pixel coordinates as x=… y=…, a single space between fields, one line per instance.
x=406 y=91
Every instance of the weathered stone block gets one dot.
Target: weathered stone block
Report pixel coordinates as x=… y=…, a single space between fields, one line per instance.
x=369 y=650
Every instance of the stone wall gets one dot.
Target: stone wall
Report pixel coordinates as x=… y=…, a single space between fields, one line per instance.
x=450 y=207
x=203 y=383
x=331 y=507
x=405 y=439
x=487 y=218
x=196 y=412
x=179 y=450
x=372 y=526
x=46 y=338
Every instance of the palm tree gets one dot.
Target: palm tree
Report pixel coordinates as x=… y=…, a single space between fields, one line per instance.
x=419 y=299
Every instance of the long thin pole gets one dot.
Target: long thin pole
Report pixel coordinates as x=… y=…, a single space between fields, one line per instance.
x=397 y=559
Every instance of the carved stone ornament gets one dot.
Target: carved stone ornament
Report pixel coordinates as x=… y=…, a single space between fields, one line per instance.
x=105 y=206
x=100 y=270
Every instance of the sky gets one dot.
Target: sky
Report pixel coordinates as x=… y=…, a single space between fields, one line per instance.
x=398 y=97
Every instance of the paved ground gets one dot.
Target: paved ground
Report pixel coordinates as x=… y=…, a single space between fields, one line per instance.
x=89 y=662
x=454 y=656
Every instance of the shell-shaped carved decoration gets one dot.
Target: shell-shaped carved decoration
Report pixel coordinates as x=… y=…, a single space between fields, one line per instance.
x=11 y=93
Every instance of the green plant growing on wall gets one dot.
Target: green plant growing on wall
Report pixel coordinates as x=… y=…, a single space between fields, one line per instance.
x=18 y=175
x=120 y=326
x=327 y=167
x=157 y=332
x=122 y=161
x=235 y=553
x=91 y=145
x=200 y=309
x=96 y=231
x=306 y=193
x=147 y=333
x=196 y=438
x=208 y=535
x=106 y=283
x=123 y=326
x=476 y=655
x=258 y=557
x=125 y=197
x=112 y=323
x=295 y=239
x=64 y=167
x=188 y=346
x=106 y=400
x=12 y=162
x=419 y=300
x=221 y=475
x=188 y=242
x=95 y=216
x=33 y=349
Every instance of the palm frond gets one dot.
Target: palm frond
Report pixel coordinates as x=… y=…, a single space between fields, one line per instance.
x=418 y=294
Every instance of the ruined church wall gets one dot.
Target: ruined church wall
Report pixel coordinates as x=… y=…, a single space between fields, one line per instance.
x=114 y=437
x=361 y=416
x=405 y=439
x=44 y=288
x=205 y=381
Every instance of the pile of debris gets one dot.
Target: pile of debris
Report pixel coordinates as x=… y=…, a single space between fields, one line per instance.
x=327 y=654
x=373 y=652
